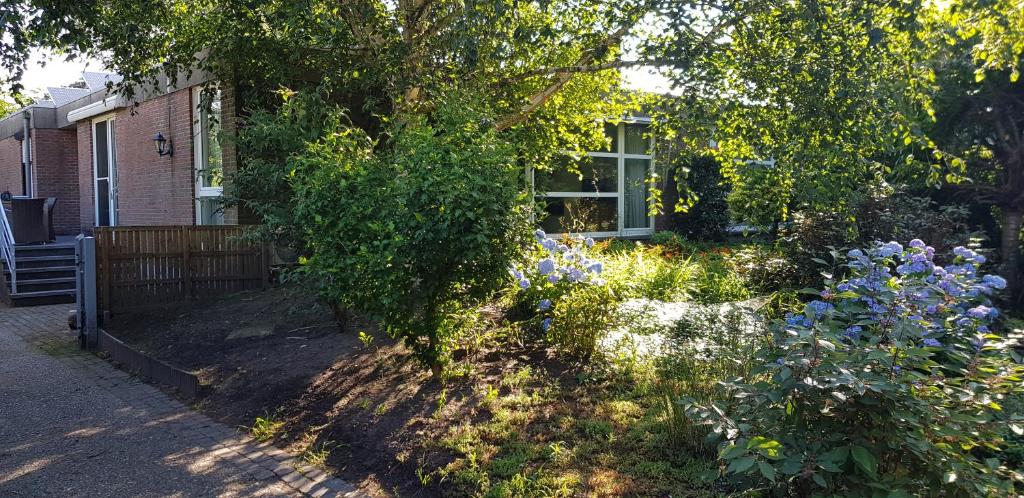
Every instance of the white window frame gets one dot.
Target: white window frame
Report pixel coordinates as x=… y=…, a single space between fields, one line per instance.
x=112 y=183
x=199 y=155
x=620 y=193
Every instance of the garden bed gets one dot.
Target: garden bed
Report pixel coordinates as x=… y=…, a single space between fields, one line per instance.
x=517 y=419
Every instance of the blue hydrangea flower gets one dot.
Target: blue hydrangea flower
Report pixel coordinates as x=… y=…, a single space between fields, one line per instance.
x=932 y=343
x=781 y=361
x=984 y=329
x=554 y=278
x=994 y=281
x=549 y=244
x=589 y=242
x=562 y=248
x=546 y=324
x=596 y=267
x=544 y=305
x=853 y=332
x=546 y=266
x=855 y=254
x=524 y=283
x=917 y=244
x=820 y=307
x=978 y=343
x=979 y=312
x=890 y=249
x=539 y=234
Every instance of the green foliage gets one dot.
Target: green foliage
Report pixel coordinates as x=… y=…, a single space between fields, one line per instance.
x=709 y=215
x=266 y=428
x=581 y=318
x=892 y=382
x=412 y=233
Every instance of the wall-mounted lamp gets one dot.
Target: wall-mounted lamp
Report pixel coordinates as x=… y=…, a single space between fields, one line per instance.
x=164 y=147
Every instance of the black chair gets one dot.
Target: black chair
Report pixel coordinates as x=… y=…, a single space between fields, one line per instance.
x=28 y=221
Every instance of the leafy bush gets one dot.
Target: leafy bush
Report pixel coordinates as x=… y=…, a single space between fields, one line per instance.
x=889 y=384
x=709 y=215
x=410 y=233
x=765 y=269
x=580 y=319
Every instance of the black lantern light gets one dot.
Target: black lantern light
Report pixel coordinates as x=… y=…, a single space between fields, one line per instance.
x=164 y=147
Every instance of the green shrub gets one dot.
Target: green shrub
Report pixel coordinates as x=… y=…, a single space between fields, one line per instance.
x=707 y=218
x=581 y=318
x=408 y=233
x=891 y=383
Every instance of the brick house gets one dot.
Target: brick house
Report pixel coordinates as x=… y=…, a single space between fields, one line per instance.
x=95 y=153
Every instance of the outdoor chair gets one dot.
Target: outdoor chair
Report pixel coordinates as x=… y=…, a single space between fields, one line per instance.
x=30 y=220
x=48 y=218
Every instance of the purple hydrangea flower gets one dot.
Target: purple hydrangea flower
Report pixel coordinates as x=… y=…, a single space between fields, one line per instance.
x=917 y=244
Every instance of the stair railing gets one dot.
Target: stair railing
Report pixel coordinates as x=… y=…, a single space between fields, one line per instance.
x=7 y=248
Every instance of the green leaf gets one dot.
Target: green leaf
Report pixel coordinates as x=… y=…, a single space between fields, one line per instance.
x=819 y=479
x=741 y=465
x=766 y=470
x=865 y=460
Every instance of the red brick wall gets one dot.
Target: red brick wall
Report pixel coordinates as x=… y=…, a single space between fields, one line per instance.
x=152 y=190
x=56 y=175
x=10 y=166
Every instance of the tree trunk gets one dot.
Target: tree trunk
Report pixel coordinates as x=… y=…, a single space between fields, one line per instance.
x=1010 y=250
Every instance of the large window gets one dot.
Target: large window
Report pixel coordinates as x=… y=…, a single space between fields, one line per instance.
x=209 y=157
x=609 y=195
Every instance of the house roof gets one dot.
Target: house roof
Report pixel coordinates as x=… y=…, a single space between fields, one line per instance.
x=61 y=95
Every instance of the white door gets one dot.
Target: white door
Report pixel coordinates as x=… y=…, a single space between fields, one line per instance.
x=104 y=171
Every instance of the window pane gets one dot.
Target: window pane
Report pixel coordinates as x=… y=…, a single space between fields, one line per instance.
x=578 y=215
x=212 y=174
x=635 y=197
x=99 y=140
x=102 y=203
x=599 y=174
x=210 y=212
x=637 y=139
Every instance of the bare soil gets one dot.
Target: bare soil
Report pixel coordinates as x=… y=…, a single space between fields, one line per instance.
x=376 y=410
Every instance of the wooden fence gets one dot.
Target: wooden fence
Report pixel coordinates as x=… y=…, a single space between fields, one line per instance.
x=147 y=266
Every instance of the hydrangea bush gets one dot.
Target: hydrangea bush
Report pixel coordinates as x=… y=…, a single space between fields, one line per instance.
x=562 y=276
x=890 y=382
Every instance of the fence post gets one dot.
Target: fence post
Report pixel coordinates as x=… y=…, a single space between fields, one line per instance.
x=186 y=245
x=85 y=283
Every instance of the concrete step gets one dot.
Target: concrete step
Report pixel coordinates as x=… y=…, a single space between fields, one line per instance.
x=38 y=298
x=44 y=250
x=25 y=274
x=26 y=262
x=46 y=284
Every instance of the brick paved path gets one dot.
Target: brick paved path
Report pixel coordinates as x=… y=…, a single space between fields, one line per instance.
x=72 y=425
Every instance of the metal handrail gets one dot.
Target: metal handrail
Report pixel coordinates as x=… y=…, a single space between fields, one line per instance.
x=7 y=248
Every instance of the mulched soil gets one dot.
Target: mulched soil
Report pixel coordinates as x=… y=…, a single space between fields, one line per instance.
x=372 y=405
